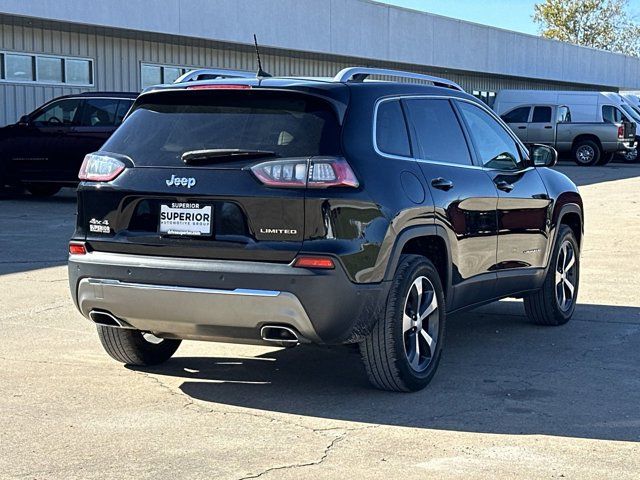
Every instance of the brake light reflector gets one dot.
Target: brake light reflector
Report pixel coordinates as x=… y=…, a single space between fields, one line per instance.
x=77 y=248
x=100 y=168
x=314 y=262
x=621 y=131
x=321 y=172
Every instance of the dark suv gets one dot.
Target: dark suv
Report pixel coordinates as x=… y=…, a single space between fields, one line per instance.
x=287 y=210
x=44 y=150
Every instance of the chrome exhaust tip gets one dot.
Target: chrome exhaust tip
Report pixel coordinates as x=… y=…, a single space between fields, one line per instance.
x=279 y=335
x=107 y=319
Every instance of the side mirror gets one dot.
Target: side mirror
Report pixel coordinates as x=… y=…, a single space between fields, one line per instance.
x=543 y=155
x=24 y=120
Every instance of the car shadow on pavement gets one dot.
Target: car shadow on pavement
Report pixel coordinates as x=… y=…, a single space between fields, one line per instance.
x=500 y=374
x=35 y=232
x=583 y=176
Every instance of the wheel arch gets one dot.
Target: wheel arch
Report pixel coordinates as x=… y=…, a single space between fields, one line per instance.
x=429 y=241
x=584 y=137
x=571 y=215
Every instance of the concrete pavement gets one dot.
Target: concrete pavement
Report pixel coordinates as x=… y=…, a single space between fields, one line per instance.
x=510 y=400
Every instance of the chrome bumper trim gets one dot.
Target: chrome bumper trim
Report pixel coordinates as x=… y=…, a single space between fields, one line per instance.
x=169 y=288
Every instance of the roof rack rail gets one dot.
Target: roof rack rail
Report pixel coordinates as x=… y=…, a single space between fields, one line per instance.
x=212 y=74
x=359 y=74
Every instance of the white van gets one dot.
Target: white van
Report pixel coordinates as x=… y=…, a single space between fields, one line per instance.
x=585 y=106
x=632 y=98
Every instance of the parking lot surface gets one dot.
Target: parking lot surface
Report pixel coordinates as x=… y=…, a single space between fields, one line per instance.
x=510 y=399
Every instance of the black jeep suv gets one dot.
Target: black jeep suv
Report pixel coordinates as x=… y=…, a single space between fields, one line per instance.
x=288 y=210
x=44 y=150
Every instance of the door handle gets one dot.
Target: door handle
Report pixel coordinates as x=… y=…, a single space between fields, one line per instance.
x=548 y=127
x=504 y=186
x=522 y=128
x=442 y=184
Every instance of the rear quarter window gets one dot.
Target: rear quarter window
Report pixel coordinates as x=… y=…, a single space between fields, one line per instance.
x=391 y=129
x=165 y=125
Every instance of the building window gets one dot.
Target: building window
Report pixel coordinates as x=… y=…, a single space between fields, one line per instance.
x=78 y=72
x=50 y=69
x=170 y=74
x=18 y=68
x=151 y=74
x=487 y=97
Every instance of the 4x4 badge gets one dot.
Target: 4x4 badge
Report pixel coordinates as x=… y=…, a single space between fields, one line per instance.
x=181 y=181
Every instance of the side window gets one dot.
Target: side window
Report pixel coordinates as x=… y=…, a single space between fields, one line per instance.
x=494 y=146
x=391 y=129
x=99 y=112
x=123 y=108
x=438 y=131
x=541 y=115
x=564 y=115
x=518 y=115
x=611 y=114
x=60 y=113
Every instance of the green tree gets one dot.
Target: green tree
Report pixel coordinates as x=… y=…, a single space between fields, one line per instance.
x=603 y=24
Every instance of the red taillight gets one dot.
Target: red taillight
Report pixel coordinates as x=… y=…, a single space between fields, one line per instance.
x=77 y=248
x=320 y=172
x=621 y=131
x=219 y=87
x=100 y=168
x=314 y=262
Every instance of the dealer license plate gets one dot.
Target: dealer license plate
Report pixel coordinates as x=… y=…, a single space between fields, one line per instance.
x=189 y=219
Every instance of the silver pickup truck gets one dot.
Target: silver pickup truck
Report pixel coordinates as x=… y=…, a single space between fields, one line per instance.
x=590 y=143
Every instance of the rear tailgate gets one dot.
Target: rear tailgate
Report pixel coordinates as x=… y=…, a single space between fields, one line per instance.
x=629 y=131
x=217 y=208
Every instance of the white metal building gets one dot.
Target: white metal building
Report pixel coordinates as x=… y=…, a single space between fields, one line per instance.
x=54 y=47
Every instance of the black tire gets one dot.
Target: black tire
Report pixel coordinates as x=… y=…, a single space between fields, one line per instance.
x=131 y=348
x=384 y=351
x=42 y=190
x=586 y=146
x=606 y=159
x=544 y=307
x=630 y=156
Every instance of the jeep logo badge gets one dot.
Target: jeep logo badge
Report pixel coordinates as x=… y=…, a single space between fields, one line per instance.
x=181 y=181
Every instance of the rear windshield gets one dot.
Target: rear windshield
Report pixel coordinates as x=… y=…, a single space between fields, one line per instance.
x=169 y=124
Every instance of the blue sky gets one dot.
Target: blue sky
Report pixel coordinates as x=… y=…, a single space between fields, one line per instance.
x=510 y=14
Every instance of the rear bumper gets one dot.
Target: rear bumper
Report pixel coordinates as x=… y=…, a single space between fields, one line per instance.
x=626 y=145
x=224 y=300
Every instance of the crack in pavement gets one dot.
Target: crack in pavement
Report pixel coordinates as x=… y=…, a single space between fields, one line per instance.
x=45 y=362
x=200 y=408
x=324 y=456
x=36 y=311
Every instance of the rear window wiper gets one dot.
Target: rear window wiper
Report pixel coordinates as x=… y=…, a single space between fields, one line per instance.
x=195 y=157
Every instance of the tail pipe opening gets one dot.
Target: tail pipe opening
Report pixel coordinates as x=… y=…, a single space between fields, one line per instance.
x=107 y=319
x=279 y=335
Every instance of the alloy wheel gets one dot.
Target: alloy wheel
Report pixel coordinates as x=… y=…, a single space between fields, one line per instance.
x=585 y=154
x=566 y=276
x=420 y=324
x=631 y=155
